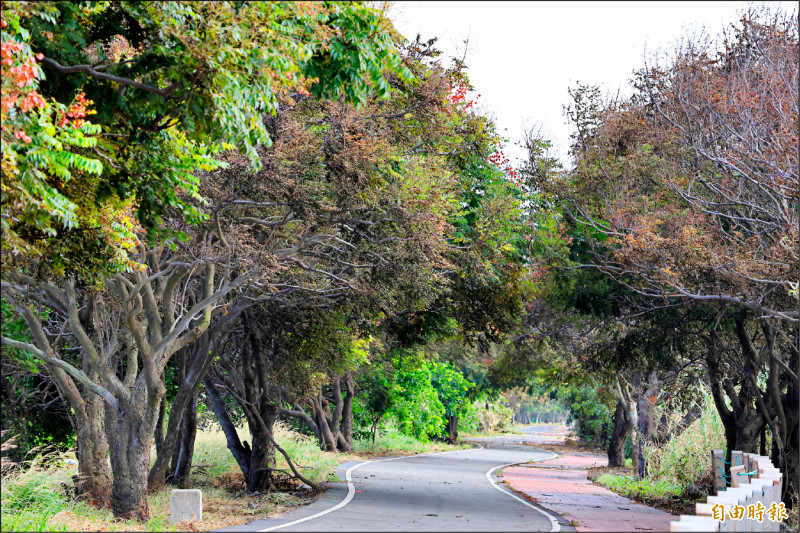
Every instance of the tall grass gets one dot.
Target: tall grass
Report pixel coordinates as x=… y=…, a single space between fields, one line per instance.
x=686 y=458
x=212 y=458
x=313 y=463
x=31 y=495
x=33 y=498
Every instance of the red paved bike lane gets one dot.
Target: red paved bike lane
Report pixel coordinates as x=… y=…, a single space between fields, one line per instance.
x=562 y=485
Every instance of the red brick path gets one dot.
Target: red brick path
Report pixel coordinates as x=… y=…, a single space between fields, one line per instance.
x=561 y=485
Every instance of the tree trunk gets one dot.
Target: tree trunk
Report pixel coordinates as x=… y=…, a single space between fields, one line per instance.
x=626 y=400
x=173 y=463
x=159 y=434
x=132 y=429
x=328 y=439
x=452 y=428
x=191 y=373
x=374 y=428
x=183 y=468
x=347 y=412
x=622 y=428
x=792 y=455
x=645 y=422
x=636 y=443
x=93 y=481
x=790 y=401
x=240 y=452
x=262 y=457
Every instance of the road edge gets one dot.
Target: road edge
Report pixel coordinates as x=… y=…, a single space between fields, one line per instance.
x=496 y=483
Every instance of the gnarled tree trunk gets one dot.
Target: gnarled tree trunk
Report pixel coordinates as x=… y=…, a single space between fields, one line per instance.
x=347 y=413
x=93 y=481
x=622 y=428
x=262 y=457
x=131 y=427
x=183 y=467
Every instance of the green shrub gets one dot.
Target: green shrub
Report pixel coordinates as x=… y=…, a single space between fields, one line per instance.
x=642 y=489
x=686 y=458
x=593 y=418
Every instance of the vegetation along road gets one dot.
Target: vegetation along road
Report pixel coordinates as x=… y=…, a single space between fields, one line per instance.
x=241 y=242
x=448 y=491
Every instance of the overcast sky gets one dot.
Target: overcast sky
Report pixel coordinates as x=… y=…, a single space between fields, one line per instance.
x=522 y=56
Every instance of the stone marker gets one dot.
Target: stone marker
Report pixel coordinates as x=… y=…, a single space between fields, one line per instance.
x=185 y=504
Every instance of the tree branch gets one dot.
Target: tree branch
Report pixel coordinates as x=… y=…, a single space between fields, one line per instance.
x=94 y=73
x=71 y=370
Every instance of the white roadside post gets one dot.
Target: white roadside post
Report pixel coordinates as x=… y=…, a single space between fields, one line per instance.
x=185 y=504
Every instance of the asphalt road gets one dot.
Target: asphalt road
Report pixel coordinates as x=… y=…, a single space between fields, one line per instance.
x=449 y=491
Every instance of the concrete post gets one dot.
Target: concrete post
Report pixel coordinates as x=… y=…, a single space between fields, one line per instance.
x=185 y=504
x=719 y=468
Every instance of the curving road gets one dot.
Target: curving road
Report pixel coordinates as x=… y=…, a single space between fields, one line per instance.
x=448 y=491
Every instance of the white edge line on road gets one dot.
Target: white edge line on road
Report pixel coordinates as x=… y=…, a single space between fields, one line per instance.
x=553 y=522
x=350 y=493
x=350 y=490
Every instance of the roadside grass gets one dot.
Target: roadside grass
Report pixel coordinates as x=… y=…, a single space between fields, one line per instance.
x=639 y=489
x=672 y=468
x=34 y=498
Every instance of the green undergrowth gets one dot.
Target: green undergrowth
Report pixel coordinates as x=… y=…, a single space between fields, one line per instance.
x=638 y=489
x=683 y=460
x=390 y=441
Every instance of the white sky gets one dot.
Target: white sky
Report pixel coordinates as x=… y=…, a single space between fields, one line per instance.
x=522 y=56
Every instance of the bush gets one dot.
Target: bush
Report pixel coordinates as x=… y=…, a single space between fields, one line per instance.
x=593 y=419
x=686 y=458
x=477 y=418
x=391 y=440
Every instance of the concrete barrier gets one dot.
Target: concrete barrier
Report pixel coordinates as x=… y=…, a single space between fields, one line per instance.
x=185 y=504
x=759 y=488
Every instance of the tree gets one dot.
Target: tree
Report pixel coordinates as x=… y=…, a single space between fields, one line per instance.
x=687 y=193
x=452 y=388
x=160 y=133
x=352 y=222
x=49 y=178
x=161 y=93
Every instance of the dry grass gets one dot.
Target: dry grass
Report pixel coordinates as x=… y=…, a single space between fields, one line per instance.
x=34 y=497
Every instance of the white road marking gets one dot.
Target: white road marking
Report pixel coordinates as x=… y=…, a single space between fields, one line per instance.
x=553 y=522
x=351 y=491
